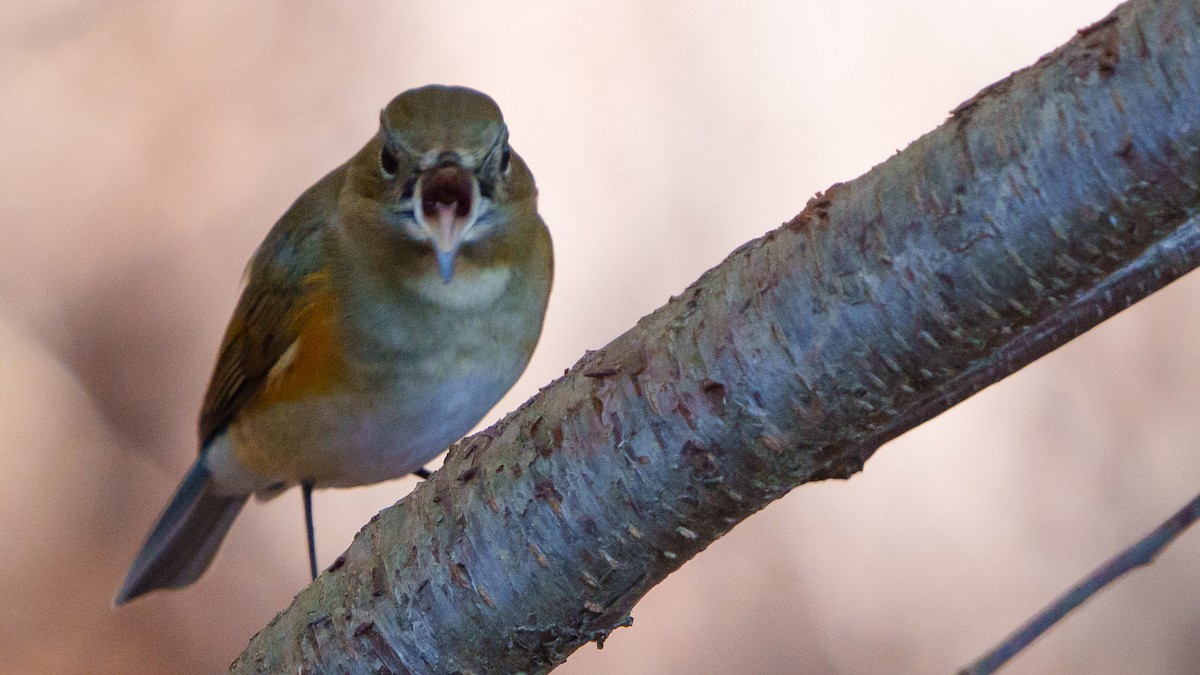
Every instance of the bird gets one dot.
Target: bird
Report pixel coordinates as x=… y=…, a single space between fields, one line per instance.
x=384 y=314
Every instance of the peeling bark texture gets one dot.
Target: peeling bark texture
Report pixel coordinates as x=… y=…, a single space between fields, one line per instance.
x=1045 y=204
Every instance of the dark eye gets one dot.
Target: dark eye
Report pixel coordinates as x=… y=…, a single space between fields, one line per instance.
x=505 y=156
x=388 y=162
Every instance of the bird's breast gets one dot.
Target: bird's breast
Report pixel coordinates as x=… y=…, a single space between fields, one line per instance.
x=419 y=370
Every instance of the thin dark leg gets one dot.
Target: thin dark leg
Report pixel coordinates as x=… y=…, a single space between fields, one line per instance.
x=306 y=488
x=421 y=473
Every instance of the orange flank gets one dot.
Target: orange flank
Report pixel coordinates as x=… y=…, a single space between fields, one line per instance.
x=312 y=365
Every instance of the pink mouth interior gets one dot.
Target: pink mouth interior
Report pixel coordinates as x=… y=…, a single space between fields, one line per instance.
x=448 y=187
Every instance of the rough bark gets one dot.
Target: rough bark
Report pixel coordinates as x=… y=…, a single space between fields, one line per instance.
x=1047 y=203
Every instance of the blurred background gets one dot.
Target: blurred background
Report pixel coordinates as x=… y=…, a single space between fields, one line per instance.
x=149 y=145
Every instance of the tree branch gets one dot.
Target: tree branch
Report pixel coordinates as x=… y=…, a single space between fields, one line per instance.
x=1047 y=203
x=1139 y=554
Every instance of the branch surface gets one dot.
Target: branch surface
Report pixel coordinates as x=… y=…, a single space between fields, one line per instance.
x=1047 y=203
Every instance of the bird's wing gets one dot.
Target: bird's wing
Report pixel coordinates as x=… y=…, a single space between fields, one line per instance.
x=282 y=331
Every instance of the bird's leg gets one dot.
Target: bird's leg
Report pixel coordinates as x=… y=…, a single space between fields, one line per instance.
x=421 y=473
x=306 y=488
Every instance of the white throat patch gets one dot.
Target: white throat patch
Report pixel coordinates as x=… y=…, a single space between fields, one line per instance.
x=467 y=290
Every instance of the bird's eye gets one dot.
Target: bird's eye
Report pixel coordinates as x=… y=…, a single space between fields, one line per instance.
x=505 y=156
x=388 y=162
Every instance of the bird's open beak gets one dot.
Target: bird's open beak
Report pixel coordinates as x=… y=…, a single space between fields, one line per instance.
x=449 y=204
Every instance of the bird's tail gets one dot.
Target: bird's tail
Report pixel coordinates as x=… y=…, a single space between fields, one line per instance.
x=185 y=539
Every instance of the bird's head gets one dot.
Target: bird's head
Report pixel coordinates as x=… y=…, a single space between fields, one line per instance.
x=441 y=171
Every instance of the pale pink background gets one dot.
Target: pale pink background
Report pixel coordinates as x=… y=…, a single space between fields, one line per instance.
x=147 y=147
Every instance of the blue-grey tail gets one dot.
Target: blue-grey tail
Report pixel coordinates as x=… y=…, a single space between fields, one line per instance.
x=185 y=539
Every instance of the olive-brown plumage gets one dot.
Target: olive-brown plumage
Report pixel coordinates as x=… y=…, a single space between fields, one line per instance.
x=385 y=313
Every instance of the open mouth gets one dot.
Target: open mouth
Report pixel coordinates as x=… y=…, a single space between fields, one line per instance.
x=447 y=196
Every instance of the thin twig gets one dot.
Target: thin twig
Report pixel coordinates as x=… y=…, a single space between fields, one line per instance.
x=1141 y=553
